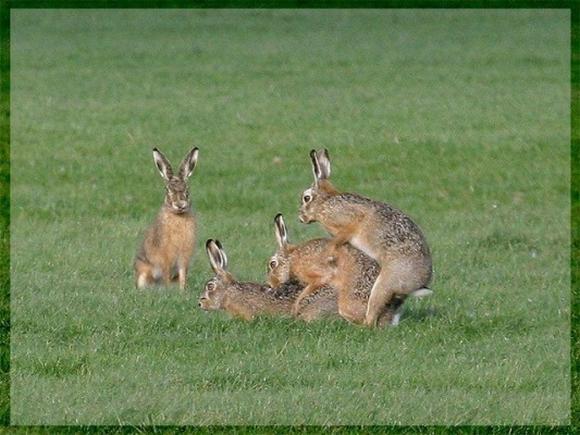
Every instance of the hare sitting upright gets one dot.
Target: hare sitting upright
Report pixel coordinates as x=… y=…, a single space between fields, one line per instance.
x=248 y=300
x=348 y=270
x=168 y=244
x=381 y=231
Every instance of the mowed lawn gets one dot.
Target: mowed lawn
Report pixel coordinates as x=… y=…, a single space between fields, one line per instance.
x=460 y=118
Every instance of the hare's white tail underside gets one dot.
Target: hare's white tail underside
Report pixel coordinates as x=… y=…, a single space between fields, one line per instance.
x=422 y=292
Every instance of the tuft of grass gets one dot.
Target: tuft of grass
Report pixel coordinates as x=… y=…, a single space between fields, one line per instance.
x=460 y=118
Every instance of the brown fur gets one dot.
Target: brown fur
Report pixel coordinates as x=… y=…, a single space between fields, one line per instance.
x=317 y=263
x=381 y=231
x=165 y=253
x=247 y=300
x=166 y=249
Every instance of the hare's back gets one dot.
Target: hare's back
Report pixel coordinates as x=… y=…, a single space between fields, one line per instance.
x=384 y=227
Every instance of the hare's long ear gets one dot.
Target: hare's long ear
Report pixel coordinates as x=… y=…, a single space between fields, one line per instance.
x=223 y=256
x=215 y=259
x=281 y=233
x=324 y=163
x=315 y=166
x=163 y=164
x=188 y=164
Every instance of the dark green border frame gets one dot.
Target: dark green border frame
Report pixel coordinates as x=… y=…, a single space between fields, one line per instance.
x=4 y=214
x=7 y=5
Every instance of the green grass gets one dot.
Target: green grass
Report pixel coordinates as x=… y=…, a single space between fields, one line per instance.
x=460 y=118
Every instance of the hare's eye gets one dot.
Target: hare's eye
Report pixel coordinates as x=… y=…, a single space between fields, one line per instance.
x=273 y=264
x=307 y=198
x=210 y=286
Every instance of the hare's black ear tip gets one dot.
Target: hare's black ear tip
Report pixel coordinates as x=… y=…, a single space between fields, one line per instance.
x=312 y=153
x=219 y=245
x=277 y=217
x=208 y=242
x=195 y=150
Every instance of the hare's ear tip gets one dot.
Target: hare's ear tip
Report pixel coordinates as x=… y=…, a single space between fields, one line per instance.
x=219 y=245
x=278 y=216
x=208 y=242
x=312 y=153
x=155 y=150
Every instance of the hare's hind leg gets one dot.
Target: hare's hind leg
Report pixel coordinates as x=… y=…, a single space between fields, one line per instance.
x=389 y=283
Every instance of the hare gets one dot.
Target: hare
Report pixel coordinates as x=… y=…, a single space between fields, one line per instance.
x=248 y=300
x=168 y=244
x=348 y=270
x=381 y=231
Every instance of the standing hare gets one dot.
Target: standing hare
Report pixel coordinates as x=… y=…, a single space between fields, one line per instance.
x=348 y=270
x=168 y=244
x=248 y=300
x=381 y=231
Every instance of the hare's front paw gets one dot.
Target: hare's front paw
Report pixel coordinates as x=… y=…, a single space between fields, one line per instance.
x=296 y=306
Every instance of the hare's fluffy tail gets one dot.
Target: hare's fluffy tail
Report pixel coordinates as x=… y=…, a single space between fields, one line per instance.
x=422 y=292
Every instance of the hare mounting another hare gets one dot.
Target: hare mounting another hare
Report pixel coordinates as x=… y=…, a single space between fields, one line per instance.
x=382 y=232
x=168 y=245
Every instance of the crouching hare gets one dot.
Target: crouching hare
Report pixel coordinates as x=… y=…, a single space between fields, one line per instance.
x=168 y=245
x=247 y=300
x=347 y=269
x=381 y=231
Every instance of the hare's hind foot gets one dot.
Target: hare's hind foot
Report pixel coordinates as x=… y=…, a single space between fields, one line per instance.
x=147 y=275
x=143 y=274
x=144 y=279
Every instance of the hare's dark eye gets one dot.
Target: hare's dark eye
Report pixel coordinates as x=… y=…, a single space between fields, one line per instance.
x=210 y=286
x=273 y=264
x=307 y=198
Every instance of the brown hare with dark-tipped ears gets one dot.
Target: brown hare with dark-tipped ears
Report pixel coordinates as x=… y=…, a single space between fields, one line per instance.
x=348 y=270
x=165 y=253
x=247 y=300
x=381 y=231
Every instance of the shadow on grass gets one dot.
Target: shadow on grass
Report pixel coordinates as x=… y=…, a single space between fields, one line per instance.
x=421 y=314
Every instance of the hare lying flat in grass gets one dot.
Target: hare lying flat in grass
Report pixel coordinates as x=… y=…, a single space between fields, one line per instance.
x=248 y=300
x=168 y=245
x=347 y=269
x=384 y=233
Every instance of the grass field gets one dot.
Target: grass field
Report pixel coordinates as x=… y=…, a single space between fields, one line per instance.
x=460 y=118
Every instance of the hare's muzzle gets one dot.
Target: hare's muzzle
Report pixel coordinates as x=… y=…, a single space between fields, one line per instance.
x=304 y=219
x=181 y=206
x=203 y=304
